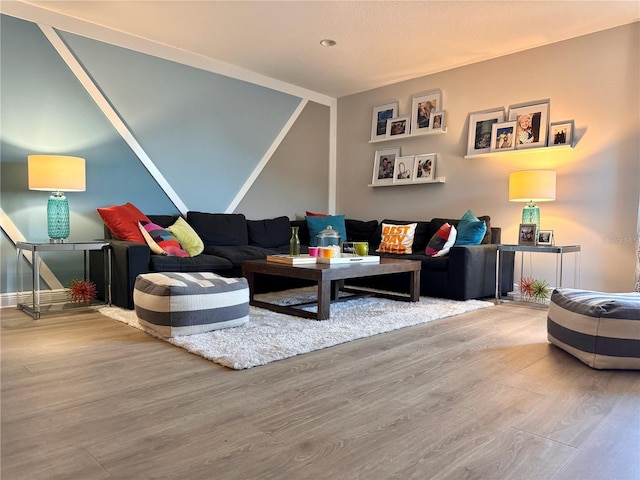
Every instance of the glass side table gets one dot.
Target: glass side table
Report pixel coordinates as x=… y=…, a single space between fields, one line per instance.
x=35 y=248
x=558 y=250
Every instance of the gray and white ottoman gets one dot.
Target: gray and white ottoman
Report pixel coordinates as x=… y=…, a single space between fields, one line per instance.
x=600 y=329
x=177 y=303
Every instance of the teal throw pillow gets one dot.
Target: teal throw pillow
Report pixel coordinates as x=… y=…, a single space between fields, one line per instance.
x=318 y=224
x=471 y=230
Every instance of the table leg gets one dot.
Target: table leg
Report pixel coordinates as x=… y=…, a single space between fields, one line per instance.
x=498 y=270
x=414 y=287
x=324 y=299
x=35 y=286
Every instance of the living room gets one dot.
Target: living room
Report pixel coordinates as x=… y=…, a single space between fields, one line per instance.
x=243 y=142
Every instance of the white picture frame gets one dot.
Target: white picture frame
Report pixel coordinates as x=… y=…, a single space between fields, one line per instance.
x=545 y=237
x=561 y=134
x=532 y=123
x=437 y=121
x=424 y=168
x=421 y=107
x=480 y=126
x=503 y=136
x=381 y=114
x=403 y=169
x=398 y=127
x=383 y=165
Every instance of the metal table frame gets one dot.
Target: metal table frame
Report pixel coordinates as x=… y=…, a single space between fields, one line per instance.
x=559 y=250
x=35 y=248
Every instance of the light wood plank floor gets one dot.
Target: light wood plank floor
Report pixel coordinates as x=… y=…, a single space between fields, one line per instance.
x=480 y=395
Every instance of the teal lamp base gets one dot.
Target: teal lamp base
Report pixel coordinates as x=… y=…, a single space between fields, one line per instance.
x=531 y=214
x=58 y=218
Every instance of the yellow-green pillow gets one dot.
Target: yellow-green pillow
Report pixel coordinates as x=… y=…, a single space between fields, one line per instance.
x=187 y=237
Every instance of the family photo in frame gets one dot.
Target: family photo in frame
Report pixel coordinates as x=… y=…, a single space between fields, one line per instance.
x=527 y=234
x=381 y=114
x=532 y=120
x=423 y=106
x=480 y=130
x=384 y=164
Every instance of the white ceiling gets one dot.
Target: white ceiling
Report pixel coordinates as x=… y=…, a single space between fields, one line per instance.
x=378 y=42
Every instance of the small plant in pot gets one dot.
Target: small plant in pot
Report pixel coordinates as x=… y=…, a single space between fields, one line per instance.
x=82 y=291
x=533 y=290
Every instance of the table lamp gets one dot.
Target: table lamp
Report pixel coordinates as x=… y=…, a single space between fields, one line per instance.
x=57 y=174
x=532 y=186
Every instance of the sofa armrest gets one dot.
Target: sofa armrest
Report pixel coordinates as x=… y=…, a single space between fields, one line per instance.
x=128 y=260
x=472 y=271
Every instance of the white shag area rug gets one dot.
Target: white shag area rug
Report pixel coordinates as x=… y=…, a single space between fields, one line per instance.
x=271 y=336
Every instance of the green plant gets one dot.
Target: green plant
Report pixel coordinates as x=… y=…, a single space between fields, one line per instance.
x=540 y=290
x=81 y=291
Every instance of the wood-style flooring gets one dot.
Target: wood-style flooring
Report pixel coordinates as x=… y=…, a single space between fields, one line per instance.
x=480 y=395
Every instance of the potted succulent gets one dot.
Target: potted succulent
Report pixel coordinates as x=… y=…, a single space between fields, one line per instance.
x=533 y=290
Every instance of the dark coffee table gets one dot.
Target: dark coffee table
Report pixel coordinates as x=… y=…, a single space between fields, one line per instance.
x=330 y=280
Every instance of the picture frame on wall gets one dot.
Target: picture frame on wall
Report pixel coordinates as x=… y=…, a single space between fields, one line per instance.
x=403 y=169
x=383 y=165
x=561 y=133
x=424 y=168
x=437 y=121
x=480 y=127
x=532 y=123
x=398 y=127
x=503 y=136
x=527 y=234
x=422 y=106
x=545 y=237
x=381 y=114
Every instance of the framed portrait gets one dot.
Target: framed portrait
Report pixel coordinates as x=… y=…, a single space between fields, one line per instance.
x=423 y=105
x=403 y=169
x=561 y=133
x=383 y=165
x=480 y=126
x=424 y=168
x=545 y=237
x=527 y=234
x=532 y=122
x=398 y=127
x=381 y=114
x=503 y=136
x=437 y=121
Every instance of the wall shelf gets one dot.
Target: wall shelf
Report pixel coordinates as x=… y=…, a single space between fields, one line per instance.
x=436 y=180
x=421 y=134
x=520 y=151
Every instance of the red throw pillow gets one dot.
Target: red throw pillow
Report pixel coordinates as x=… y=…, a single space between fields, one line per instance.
x=123 y=220
x=311 y=214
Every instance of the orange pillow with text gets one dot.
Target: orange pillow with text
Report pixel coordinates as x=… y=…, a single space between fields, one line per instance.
x=397 y=238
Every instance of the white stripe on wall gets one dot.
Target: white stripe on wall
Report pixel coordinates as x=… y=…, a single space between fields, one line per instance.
x=16 y=236
x=111 y=114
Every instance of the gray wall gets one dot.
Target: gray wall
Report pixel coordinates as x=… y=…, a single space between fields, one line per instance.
x=592 y=79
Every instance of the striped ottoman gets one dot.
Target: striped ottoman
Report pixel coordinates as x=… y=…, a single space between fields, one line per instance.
x=600 y=329
x=175 y=303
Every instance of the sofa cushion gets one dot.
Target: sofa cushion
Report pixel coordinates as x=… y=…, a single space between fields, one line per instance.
x=237 y=255
x=360 y=231
x=442 y=241
x=122 y=221
x=397 y=238
x=199 y=263
x=318 y=224
x=187 y=237
x=271 y=233
x=428 y=263
x=161 y=241
x=220 y=229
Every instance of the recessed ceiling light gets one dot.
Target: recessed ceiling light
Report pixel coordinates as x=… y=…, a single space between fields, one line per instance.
x=327 y=42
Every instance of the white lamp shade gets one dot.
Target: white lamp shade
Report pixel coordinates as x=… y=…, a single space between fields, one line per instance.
x=53 y=173
x=532 y=186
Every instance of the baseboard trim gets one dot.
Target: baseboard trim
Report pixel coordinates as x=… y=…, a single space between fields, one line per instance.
x=46 y=296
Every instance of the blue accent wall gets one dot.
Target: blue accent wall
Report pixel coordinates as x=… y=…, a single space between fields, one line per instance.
x=205 y=133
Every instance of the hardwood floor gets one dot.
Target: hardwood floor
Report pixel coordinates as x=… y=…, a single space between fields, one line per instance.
x=480 y=395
